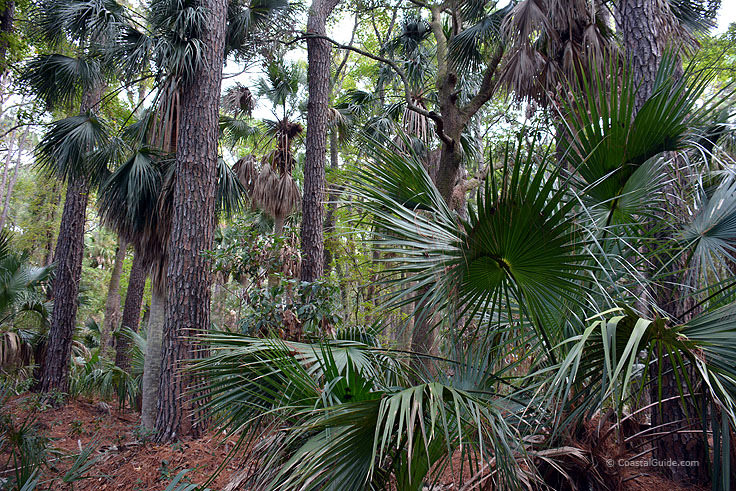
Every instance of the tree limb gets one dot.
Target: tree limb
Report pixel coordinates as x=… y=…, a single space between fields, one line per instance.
x=487 y=87
x=439 y=123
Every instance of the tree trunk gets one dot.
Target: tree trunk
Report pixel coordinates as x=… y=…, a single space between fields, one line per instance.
x=331 y=205
x=641 y=23
x=65 y=288
x=7 y=16
x=152 y=363
x=14 y=179
x=318 y=75
x=8 y=161
x=641 y=33
x=192 y=231
x=131 y=310
x=112 y=303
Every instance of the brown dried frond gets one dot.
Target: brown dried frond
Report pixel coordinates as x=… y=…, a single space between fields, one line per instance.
x=238 y=100
x=263 y=188
x=245 y=169
x=416 y=124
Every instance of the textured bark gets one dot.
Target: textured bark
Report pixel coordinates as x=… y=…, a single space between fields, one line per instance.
x=65 y=287
x=331 y=206
x=7 y=17
x=641 y=32
x=318 y=74
x=193 y=225
x=643 y=28
x=131 y=310
x=112 y=303
x=152 y=362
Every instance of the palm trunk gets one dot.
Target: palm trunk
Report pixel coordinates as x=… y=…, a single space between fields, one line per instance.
x=318 y=74
x=112 y=303
x=192 y=232
x=65 y=287
x=131 y=310
x=152 y=364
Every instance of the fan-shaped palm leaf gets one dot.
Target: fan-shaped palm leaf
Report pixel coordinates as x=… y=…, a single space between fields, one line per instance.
x=67 y=145
x=518 y=245
x=60 y=79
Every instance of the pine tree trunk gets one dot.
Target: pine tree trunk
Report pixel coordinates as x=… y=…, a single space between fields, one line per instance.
x=65 y=287
x=152 y=362
x=112 y=303
x=641 y=33
x=641 y=25
x=7 y=17
x=131 y=310
x=331 y=205
x=193 y=225
x=318 y=75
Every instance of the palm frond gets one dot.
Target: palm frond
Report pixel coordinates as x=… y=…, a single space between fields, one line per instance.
x=67 y=145
x=60 y=79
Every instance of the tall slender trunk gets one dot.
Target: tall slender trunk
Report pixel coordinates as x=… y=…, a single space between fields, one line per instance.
x=641 y=25
x=112 y=303
x=131 y=310
x=14 y=179
x=192 y=231
x=318 y=75
x=51 y=218
x=65 y=287
x=7 y=17
x=153 y=359
x=331 y=204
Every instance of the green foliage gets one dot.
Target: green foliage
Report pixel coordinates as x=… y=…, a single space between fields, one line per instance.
x=336 y=397
x=103 y=378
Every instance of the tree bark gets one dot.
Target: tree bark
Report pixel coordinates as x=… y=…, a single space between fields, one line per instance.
x=193 y=225
x=642 y=24
x=65 y=287
x=112 y=303
x=331 y=205
x=153 y=358
x=318 y=75
x=7 y=17
x=641 y=33
x=131 y=310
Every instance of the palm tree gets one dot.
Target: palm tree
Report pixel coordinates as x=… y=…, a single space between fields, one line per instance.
x=271 y=187
x=66 y=150
x=182 y=47
x=20 y=283
x=537 y=272
x=136 y=200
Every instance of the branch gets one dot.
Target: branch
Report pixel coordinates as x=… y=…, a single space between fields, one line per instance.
x=487 y=87
x=478 y=178
x=439 y=123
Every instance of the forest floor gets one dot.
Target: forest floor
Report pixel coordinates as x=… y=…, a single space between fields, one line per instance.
x=124 y=462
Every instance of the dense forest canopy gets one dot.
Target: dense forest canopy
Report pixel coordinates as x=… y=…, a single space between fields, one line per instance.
x=458 y=244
